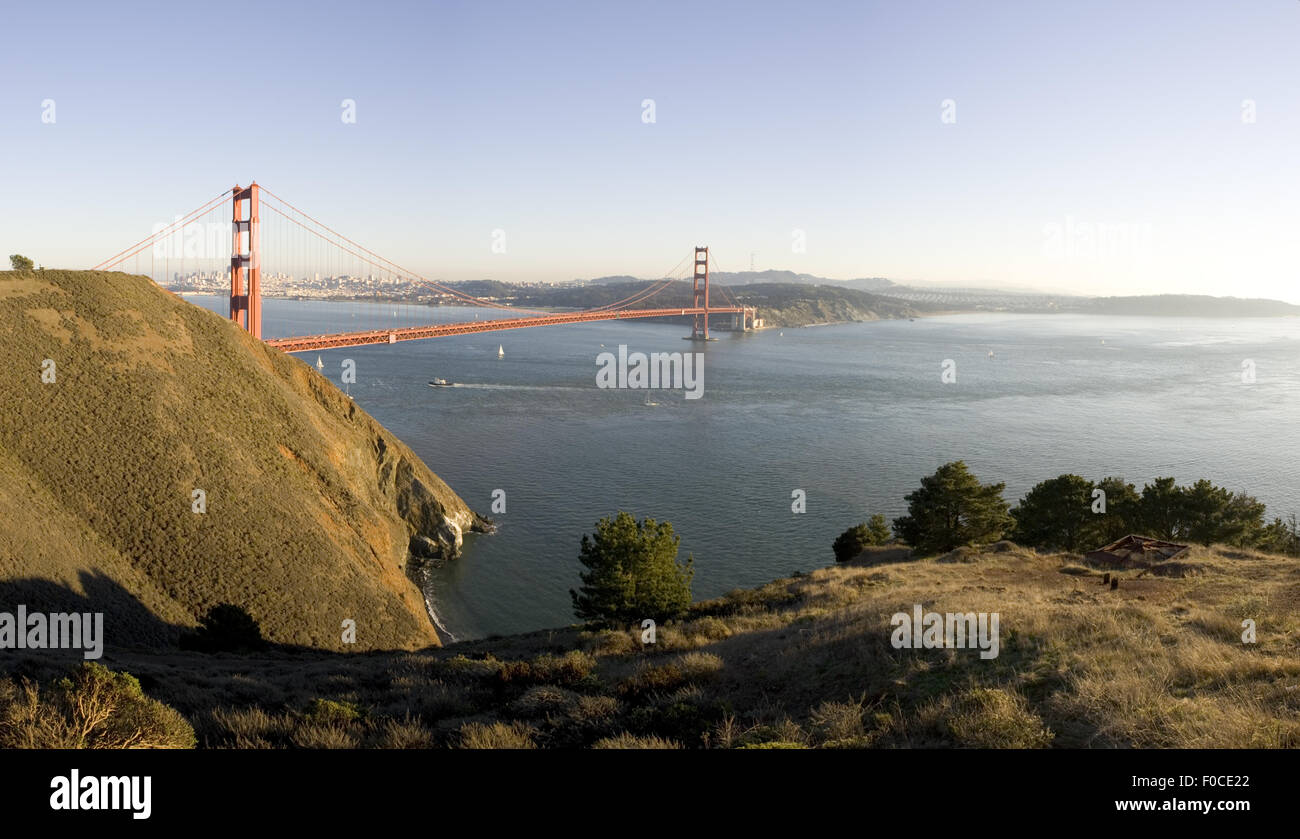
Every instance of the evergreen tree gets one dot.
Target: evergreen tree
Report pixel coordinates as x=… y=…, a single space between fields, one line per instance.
x=853 y=541
x=633 y=572
x=1214 y=514
x=1280 y=537
x=878 y=530
x=1122 y=515
x=953 y=508
x=1161 y=509
x=1054 y=514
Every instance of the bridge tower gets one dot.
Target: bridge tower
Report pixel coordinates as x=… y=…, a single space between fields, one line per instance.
x=246 y=262
x=700 y=330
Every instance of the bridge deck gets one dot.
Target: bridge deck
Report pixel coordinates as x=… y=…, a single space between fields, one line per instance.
x=415 y=333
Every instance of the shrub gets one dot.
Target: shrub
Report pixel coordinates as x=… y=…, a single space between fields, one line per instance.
x=96 y=708
x=246 y=728
x=838 y=721
x=633 y=573
x=20 y=263
x=313 y=735
x=541 y=700
x=329 y=711
x=853 y=541
x=696 y=666
x=992 y=718
x=1280 y=537
x=650 y=678
x=569 y=669
x=406 y=733
x=633 y=741
x=497 y=735
x=225 y=628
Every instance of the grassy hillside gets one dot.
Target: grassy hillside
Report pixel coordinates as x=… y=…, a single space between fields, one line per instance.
x=779 y=304
x=312 y=506
x=807 y=662
x=801 y=305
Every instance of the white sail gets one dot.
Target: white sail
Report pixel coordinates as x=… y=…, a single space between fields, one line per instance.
x=501 y=351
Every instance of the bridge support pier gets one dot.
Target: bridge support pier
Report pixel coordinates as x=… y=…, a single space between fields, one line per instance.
x=246 y=262
x=700 y=328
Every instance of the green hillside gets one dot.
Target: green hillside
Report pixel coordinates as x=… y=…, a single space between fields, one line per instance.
x=311 y=506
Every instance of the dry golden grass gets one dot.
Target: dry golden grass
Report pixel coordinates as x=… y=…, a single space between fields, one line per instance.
x=632 y=741
x=806 y=662
x=497 y=735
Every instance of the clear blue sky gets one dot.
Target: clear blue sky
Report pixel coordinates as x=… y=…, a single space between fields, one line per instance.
x=1074 y=122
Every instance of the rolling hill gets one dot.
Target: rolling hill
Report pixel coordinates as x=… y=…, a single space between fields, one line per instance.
x=122 y=400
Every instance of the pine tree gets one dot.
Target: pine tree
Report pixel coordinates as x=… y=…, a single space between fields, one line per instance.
x=953 y=508
x=853 y=541
x=633 y=572
x=1161 y=509
x=1054 y=514
x=1122 y=515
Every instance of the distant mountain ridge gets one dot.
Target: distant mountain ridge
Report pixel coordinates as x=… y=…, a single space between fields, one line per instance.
x=1187 y=305
x=975 y=298
x=768 y=277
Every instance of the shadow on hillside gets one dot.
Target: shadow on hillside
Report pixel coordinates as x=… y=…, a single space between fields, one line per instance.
x=127 y=621
x=845 y=660
x=129 y=625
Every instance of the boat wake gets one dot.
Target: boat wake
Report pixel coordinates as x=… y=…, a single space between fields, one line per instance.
x=473 y=386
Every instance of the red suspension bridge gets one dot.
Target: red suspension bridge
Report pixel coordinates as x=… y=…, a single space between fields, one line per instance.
x=301 y=245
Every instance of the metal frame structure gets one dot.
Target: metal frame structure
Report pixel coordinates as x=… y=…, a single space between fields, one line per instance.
x=245 y=261
x=700 y=328
x=415 y=333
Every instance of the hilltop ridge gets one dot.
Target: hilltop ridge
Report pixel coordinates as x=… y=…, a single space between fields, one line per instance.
x=315 y=513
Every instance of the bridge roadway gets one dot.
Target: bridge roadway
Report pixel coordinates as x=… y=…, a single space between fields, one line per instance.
x=302 y=343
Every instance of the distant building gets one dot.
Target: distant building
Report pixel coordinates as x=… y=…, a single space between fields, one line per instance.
x=1136 y=552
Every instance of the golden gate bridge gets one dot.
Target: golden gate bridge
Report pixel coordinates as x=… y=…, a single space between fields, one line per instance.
x=298 y=242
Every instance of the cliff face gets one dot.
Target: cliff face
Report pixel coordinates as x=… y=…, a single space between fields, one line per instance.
x=310 y=511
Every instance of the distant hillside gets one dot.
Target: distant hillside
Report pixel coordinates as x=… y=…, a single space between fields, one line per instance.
x=767 y=278
x=799 y=305
x=312 y=506
x=1183 y=305
x=780 y=304
x=977 y=299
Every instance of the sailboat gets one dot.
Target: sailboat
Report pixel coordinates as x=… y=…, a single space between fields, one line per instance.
x=320 y=365
x=501 y=351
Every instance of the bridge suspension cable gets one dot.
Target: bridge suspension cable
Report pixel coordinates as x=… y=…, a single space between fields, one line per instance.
x=171 y=229
x=645 y=293
x=731 y=298
x=370 y=257
x=216 y=244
